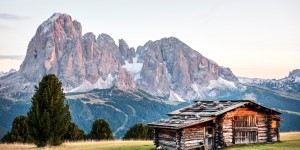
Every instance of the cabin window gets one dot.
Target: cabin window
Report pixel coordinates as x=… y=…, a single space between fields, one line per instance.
x=245 y=129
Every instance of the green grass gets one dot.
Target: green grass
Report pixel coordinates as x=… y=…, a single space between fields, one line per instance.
x=102 y=145
x=289 y=141
x=112 y=145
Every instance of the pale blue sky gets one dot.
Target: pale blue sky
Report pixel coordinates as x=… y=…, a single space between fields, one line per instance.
x=254 y=38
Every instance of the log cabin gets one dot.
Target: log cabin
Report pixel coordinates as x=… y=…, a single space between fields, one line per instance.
x=215 y=124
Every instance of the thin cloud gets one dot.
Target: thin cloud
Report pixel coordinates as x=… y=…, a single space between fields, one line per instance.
x=12 y=57
x=3 y=27
x=6 y=16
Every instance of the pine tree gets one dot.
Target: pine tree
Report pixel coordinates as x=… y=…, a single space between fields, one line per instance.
x=74 y=133
x=48 y=118
x=19 y=132
x=101 y=130
x=139 y=132
x=7 y=138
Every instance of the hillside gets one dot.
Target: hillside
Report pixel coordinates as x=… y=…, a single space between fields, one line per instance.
x=122 y=110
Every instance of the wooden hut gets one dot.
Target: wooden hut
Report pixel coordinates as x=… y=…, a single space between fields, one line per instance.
x=214 y=124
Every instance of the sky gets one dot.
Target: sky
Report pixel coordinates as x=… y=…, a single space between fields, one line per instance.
x=255 y=38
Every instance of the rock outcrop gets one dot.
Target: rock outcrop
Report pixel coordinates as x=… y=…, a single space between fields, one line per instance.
x=294 y=73
x=171 y=65
x=166 y=68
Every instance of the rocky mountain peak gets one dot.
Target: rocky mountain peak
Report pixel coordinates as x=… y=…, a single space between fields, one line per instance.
x=61 y=23
x=53 y=38
x=166 y=68
x=127 y=53
x=295 y=73
x=173 y=69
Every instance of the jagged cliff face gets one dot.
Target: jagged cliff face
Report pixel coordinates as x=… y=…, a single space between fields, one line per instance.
x=166 y=68
x=58 y=47
x=170 y=66
x=294 y=73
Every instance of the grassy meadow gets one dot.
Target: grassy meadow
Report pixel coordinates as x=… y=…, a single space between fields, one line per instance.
x=91 y=145
x=289 y=141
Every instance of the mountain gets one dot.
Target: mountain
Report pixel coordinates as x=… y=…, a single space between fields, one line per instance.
x=166 y=68
x=109 y=80
x=121 y=109
x=289 y=86
x=6 y=73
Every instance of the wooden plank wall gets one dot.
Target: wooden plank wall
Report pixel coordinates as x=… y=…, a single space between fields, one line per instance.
x=275 y=130
x=266 y=131
x=192 y=137
x=167 y=138
x=219 y=138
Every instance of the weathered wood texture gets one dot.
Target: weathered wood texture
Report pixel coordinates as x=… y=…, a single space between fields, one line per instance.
x=247 y=123
x=275 y=130
x=219 y=138
x=167 y=138
x=193 y=137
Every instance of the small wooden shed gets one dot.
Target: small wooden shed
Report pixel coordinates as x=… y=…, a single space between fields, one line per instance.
x=214 y=124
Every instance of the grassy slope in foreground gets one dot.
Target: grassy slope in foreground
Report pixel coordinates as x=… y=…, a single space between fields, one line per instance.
x=290 y=141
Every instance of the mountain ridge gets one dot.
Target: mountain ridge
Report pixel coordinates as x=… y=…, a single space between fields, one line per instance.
x=164 y=68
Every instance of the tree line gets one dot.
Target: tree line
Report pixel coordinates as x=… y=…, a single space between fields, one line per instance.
x=48 y=121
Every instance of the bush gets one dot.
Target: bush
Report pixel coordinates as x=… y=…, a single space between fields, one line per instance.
x=74 y=133
x=19 y=132
x=101 y=131
x=139 y=132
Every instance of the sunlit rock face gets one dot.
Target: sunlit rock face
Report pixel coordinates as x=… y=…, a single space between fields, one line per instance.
x=172 y=66
x=58 y=47
x=166 y=68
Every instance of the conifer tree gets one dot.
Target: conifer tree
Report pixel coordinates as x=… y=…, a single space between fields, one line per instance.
x=101 y=130
x=139 y=132
x=74 y=133
x=48 y=118
x=7 y=138
x=19 y=132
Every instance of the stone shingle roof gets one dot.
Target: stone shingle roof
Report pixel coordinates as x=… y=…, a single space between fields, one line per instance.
x=203 y=111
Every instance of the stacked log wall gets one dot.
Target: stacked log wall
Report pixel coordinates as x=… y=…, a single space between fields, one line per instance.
x=228 y=126
x=192 y=137
x=262 y=128
x=219 y=138
x=264 y=125
x=167 y=139
x=275 y=130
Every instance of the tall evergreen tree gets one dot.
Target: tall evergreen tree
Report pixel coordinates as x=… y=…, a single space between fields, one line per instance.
x=139 y=132
x=48 y=118
x=101 y=130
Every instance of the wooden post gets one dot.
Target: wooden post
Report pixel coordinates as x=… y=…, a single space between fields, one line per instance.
x=269 y=128
x=178 y=139
x=278 y=131
x=156 y=139
x=219 y=139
